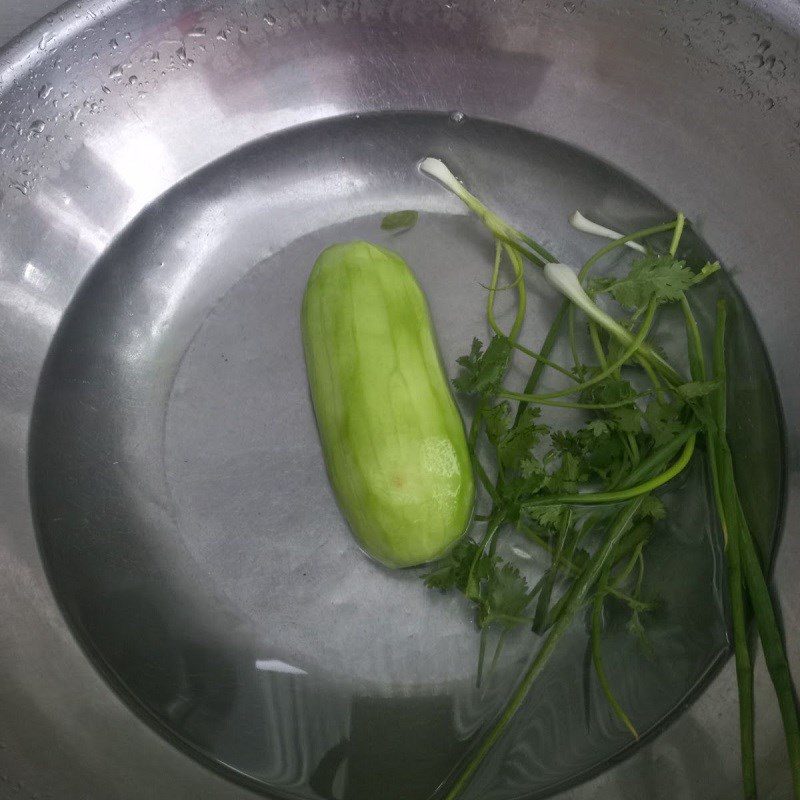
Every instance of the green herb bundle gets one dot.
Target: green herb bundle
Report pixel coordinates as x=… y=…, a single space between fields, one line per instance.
x=586 y=496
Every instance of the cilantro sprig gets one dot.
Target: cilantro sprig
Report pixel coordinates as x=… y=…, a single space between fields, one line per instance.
x=585 y=496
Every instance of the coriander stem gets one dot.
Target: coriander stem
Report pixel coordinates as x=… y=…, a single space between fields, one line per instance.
x=597 y=660
x=493 y=526
x=563 y=278
x=498 y=254
x=771 y=639
x=631 y=237
x=651 y=373
x=657 y=458
x=532 y=398
x=640 y=576
x=742 y=659
x=576 y=596
x=438 y=170
x=629 y=567
x=483 y=477
x=555 y=327
x=565 y=564
x=697 y=367
x=634 y=448
x=742 y=548
x=481 y=656
x=676 y=236
x=497 y=650
x=573 y=344
x=594 y=335
x=545 y=350
x=546 y=361
x=610 y=368
x=620 y=495
x=516 y=262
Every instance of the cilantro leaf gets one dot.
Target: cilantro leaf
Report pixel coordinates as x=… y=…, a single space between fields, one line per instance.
x=453 y=570
x=568 y=442
x=604 y=453
x=527 y=481
x=598 y=427
x=497 y=422
x=653 y=508
x=514 y=443
x=548 y=516
x=707 y=270
x=655 y=277
x=627 y=418
x=506 y=597
x=399 y=220
x=663 y=421
x=569 y=473
x=611 y=390
x=483 y=370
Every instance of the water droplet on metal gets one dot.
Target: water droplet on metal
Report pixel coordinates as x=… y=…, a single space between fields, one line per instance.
x=457 y=117
x=243 y=29
x=114 y=44
x=756 y=60
x=37 y=126
x=270 y=20
x=133 y=80
x=569 y=7
x=769 y=104
x=764 y=46
x=44 y=92
x=181 y=53
x=223 y=36
x=196 y=33
x=116 y=71
x=47 y=39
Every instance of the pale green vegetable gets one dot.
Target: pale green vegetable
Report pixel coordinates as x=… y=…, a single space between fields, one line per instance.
x=392 y=437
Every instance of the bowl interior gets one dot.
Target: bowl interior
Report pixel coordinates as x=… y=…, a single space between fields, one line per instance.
x=187 y=524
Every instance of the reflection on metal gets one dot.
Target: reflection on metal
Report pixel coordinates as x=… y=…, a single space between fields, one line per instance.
x=274 y=665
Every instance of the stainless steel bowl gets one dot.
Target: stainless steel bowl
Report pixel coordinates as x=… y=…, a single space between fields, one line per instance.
x=185 y=614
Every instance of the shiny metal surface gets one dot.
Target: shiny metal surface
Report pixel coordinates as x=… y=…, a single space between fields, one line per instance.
x=109 y=105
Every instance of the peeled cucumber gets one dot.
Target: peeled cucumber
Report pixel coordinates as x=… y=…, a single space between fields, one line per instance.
x=391 y=434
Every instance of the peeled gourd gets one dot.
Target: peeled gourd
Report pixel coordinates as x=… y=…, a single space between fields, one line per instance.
x=391 y=434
